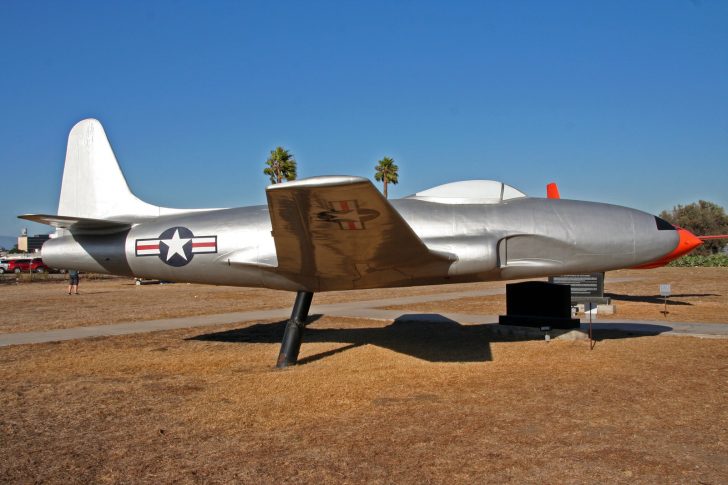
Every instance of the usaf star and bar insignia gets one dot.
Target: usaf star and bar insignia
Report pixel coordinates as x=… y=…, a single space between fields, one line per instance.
x=176 y=246
x=348 y=215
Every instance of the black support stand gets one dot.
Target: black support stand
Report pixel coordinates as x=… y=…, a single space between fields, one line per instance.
x=294 y=330
x=538 y=304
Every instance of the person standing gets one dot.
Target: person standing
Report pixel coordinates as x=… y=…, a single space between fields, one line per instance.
x=73 y=281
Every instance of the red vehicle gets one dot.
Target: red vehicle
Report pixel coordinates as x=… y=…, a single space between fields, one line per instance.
x=26 y=265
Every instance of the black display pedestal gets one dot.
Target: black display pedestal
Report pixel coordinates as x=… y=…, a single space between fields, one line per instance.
x=538 y=304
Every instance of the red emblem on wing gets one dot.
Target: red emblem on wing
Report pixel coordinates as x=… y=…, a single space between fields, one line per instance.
x=348 y=215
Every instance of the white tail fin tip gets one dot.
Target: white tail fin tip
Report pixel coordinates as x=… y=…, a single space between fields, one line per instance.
x=93 y=184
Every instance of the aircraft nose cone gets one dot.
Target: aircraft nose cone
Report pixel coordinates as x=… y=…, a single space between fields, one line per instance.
x=688 y=242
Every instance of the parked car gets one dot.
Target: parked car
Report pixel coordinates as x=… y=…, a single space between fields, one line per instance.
x=35 y=265
x=14 y=265
x=3 y=266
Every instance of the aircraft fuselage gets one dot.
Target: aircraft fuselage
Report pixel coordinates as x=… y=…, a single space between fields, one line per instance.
x=521 y=238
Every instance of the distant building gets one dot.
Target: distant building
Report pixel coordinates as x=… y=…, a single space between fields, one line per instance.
x=31 y=244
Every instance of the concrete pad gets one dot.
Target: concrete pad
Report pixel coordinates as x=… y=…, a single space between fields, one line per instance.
x=606 y=309
x=538 y=334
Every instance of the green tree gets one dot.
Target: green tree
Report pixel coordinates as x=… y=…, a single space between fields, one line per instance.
x=387 y=173
x=281 y=165
x=702 y=218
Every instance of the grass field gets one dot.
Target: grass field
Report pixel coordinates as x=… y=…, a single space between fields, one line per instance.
x=371 y=402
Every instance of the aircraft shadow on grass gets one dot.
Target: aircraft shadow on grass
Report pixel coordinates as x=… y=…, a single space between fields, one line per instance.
x=430 y=337
x=657 y=298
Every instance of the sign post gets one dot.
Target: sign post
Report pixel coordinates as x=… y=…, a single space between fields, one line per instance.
x=591 y=309
x=665 y=292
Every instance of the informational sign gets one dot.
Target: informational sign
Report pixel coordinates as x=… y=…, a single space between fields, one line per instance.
x=665 y=292
x=589 y=285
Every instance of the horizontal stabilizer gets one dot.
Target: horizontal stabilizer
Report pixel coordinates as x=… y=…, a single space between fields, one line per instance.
x=342 y=227
x=77 y=224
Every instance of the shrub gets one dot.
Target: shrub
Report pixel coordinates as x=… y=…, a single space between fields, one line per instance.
x=692 y=260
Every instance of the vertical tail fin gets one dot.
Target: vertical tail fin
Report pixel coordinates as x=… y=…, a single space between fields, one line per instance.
x=552 y=191
x=93 y=185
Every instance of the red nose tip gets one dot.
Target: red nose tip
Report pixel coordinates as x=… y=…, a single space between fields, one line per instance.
x=688 y=242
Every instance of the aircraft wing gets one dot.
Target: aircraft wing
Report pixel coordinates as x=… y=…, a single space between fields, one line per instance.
x=341 y=227
x=77 y=224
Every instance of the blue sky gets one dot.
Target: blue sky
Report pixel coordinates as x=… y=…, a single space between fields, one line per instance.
x=617 y=101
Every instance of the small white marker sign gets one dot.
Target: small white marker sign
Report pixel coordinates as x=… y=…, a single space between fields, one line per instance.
x=591 y=309
x=664 y=290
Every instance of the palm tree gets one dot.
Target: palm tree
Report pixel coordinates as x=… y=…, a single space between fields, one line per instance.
x=281 y=165
x=386 y=173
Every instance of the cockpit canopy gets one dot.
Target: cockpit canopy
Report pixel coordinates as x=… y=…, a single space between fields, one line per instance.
x=469 y=192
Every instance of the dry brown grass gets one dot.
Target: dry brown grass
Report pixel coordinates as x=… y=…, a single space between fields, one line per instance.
x=700 y=295
x=46 y=305
x=371 y=402
x=162 y=408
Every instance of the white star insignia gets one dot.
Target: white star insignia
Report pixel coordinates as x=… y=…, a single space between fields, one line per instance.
x=176 y=245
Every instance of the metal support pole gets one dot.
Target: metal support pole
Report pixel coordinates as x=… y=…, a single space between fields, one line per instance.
x=291 y=344
x=591 y=337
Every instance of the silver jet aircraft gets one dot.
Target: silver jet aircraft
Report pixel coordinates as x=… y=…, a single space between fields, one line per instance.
x=339 y=233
